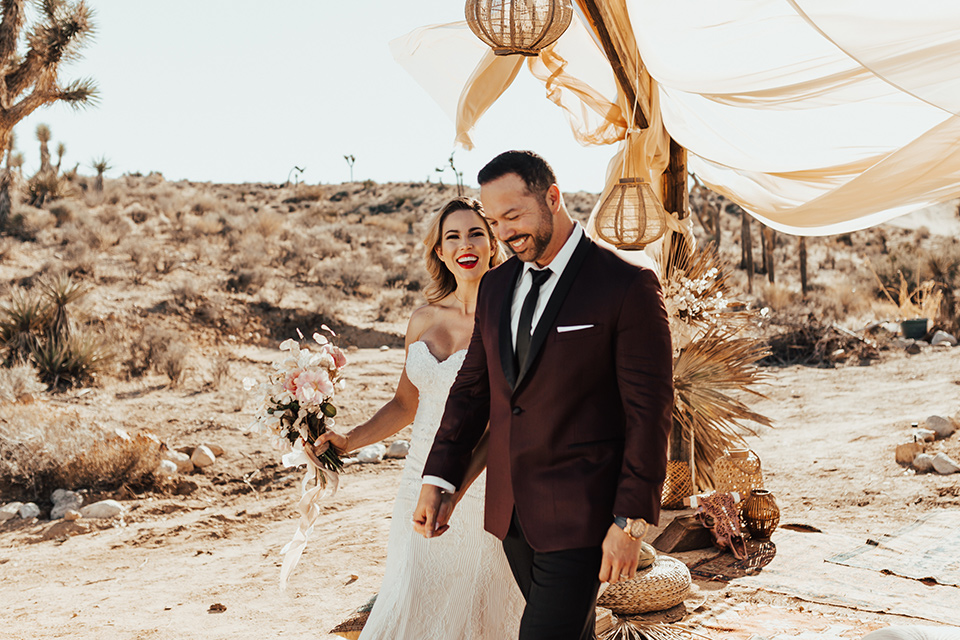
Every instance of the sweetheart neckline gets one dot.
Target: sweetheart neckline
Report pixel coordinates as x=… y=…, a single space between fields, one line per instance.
x=435 y=358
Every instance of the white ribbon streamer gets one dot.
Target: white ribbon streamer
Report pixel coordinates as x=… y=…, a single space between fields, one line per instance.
x=312 y=492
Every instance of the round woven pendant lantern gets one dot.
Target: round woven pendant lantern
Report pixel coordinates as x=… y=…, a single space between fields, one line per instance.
x=631 y=217
x=521 y=27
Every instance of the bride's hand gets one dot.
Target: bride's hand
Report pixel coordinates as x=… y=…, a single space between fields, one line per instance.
x=330 y=439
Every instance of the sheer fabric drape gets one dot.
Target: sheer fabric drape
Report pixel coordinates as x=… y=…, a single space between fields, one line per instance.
x=816 y=116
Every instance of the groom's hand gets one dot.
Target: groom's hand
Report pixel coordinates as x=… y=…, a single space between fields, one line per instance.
x=433 y=511
x=621 y=553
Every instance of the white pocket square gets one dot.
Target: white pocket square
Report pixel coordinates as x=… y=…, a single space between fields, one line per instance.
x=574 y=327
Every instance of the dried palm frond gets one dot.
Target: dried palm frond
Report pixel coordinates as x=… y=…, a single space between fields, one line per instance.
x=627 y=630
x=705 y=373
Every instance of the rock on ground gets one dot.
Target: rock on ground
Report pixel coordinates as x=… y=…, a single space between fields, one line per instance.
x=944 y=464
x=372 y=453
x=942 y=337
x=923 y=462
x=167 y=467
x=9 y=510
x=64 y=501
x=182 y=460
x=398 y=449
x=29 y=510
x=72 y=515
x=102 y=509
x=202 y=456
x=943 y=427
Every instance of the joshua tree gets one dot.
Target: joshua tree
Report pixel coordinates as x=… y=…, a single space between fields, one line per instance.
x=350 y=160
x=30 y=63
x=43 y=135
x=101 y=165
x=61 y=149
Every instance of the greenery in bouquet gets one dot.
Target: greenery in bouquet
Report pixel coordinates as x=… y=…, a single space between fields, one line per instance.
x=296 y=401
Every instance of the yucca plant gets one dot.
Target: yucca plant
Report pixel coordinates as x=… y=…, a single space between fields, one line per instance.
x=73 y=361
x=30 y=59
x=23 y=321
x=61 y=291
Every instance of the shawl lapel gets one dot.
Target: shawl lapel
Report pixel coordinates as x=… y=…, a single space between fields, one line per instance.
x=547 y=320
x=507 y=358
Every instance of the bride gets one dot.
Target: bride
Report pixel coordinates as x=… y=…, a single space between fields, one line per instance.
x=457 y=585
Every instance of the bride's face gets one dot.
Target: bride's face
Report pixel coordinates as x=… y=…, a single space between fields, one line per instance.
x=464 y=245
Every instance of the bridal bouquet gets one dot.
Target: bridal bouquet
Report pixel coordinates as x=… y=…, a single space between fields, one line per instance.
x=296 y=406
x=296 y=401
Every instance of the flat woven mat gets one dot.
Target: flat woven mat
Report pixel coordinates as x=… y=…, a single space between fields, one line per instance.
x=798 y=568
x=927 y=550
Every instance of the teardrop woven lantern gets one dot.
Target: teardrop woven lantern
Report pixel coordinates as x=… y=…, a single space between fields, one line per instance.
x=631 y=217
x=521 y=27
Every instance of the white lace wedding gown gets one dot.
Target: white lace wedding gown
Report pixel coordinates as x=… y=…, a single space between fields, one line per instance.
x=454 y=587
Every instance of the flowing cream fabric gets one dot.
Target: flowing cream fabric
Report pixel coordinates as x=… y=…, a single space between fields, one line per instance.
x=816 y=116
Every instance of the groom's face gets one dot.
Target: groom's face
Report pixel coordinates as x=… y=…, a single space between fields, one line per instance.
x=520 y=219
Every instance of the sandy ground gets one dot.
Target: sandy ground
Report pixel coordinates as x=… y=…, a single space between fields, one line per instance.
x=155 y=574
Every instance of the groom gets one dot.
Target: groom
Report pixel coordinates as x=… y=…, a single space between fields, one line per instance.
x=571 y=364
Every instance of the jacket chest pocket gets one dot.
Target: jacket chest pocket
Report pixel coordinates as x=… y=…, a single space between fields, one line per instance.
x=576 y=331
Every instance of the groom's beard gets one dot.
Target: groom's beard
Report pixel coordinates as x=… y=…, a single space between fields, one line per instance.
x=539 y=239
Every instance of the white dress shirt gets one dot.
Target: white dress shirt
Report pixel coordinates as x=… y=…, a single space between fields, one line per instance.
x=557 y=265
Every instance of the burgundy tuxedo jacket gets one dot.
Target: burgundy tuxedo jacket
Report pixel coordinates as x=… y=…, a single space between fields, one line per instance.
x=579 y=432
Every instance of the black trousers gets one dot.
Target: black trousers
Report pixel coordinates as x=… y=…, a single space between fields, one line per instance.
x=560 y=588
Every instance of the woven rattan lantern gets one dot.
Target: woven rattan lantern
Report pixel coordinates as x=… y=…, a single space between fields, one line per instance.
x=518 y=26
x=631 y=217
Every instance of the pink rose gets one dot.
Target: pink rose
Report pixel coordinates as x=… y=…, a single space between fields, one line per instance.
x=313 y=386
x=338 y=358
x=290 y=384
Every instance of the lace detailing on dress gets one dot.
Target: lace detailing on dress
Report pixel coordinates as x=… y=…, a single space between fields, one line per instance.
x=458 y=585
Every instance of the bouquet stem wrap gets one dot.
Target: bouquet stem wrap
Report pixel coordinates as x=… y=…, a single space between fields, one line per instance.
x=318 y=483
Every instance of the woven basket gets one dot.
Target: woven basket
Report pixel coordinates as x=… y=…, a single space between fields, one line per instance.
x=352 y=626
x=677 y=486
x=738 y=471
x=663 y=585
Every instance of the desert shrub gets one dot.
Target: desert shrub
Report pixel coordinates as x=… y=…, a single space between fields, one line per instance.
x=159 y=350
x=247 y=280
x=209 y=224
x=187 y=293
x=779 y=297
x=43 y=449
x=268 y=223
x=64 y=212
x=203 y=203
x=221 y=369
x=351 y=274
x=396 y=305
x=18 y=382
x=306 y=193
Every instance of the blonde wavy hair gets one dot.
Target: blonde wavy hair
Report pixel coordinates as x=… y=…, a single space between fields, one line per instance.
x=442 y=281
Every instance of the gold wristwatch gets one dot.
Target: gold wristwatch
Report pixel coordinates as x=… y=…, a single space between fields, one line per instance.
x=634 y=528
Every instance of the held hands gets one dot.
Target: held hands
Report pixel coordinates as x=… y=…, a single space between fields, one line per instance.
x=620 y=556
x=433 y=511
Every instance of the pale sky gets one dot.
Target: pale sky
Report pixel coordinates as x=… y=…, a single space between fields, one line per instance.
x=243 y=90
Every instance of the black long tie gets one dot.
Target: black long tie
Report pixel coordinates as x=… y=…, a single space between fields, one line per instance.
x=526 y=315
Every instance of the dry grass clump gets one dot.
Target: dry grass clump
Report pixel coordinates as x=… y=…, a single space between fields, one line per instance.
x=351 y=274
x=43 y=449
x=160 y=350
x=19 y=382
x=812 y=341
x=395 y=305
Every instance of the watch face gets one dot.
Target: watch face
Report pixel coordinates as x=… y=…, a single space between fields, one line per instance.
x=637 y=528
